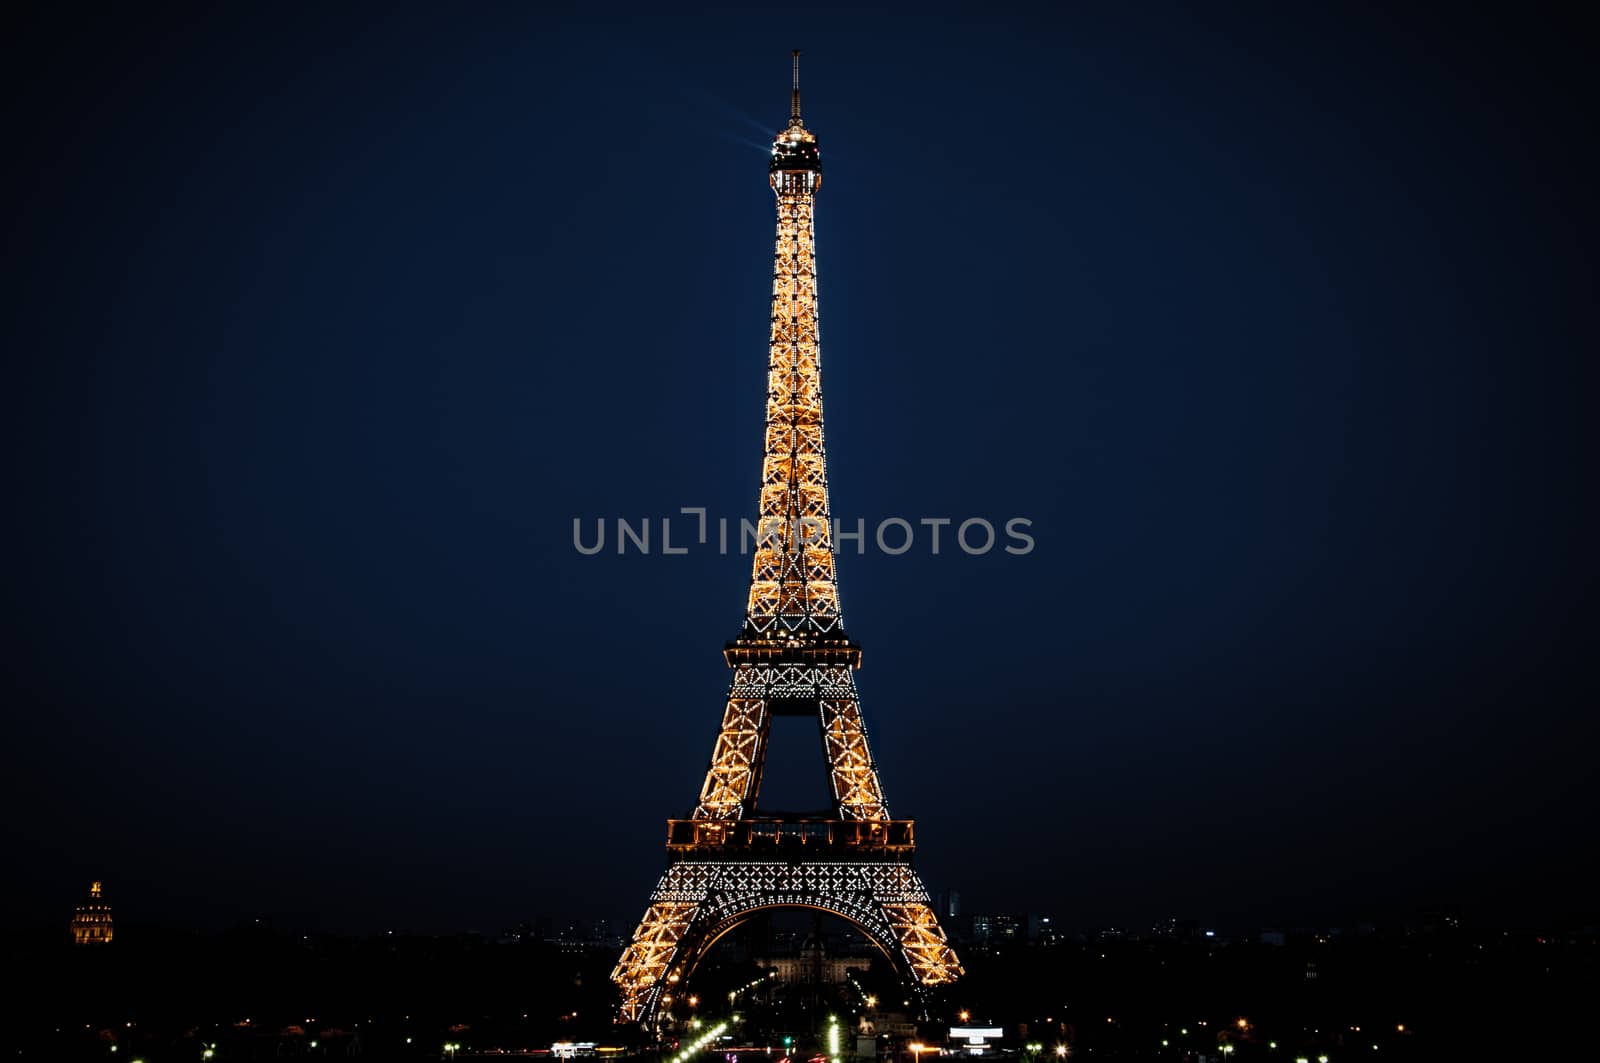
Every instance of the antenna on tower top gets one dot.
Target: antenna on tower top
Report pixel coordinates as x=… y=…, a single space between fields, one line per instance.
x=794 y=97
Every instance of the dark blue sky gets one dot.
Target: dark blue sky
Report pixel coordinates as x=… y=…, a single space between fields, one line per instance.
x=322 y=328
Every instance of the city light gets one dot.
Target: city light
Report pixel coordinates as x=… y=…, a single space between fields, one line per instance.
x=687 y=1051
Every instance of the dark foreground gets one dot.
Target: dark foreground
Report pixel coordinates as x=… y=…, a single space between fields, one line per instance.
x=251 y=994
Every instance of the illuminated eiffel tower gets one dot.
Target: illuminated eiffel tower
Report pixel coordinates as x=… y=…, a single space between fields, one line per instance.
x=729 y=861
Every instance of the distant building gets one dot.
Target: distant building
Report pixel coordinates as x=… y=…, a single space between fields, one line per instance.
x=813 y=965
x=999 y=929
x=91 y=920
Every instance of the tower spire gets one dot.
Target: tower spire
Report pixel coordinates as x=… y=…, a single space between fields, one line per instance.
x=794 y=96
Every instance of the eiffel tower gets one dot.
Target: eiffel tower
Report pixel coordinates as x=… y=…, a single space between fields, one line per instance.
x=729 y=860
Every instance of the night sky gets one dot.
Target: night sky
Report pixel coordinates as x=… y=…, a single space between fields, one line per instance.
x=321 y=328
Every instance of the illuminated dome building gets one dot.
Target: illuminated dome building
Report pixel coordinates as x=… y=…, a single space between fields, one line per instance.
x=91 y=921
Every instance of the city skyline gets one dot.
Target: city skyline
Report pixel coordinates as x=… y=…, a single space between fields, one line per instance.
x=1273 y=331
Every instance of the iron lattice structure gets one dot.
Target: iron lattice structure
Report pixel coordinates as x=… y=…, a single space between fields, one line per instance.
x=728 y=860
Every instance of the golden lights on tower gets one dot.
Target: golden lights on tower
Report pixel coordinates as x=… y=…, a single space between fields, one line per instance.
x=792 y=657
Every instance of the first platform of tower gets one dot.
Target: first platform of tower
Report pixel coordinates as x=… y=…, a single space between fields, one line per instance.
x=796 y=162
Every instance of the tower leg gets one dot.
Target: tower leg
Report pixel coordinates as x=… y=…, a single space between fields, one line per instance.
x=643 y=971
x=696 y=902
